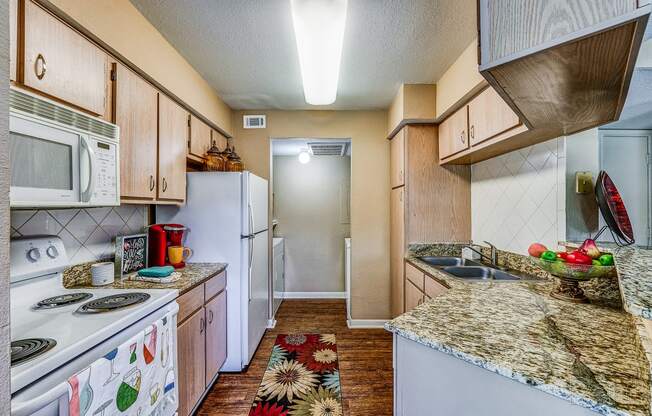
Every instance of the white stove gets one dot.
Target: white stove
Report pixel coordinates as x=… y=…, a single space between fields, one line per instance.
x=79 y=337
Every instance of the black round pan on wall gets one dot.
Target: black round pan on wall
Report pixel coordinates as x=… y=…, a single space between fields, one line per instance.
x=613 y=209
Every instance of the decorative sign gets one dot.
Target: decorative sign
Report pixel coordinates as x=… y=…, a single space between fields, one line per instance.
x=130 y=254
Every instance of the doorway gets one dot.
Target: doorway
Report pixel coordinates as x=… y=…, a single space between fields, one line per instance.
x=627 y=157
x=311 y=186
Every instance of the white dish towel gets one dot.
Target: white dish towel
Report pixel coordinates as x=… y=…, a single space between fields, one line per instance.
x=137 y=378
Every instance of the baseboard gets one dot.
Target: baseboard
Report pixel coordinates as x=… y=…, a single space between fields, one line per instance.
x=365 y=323
x=271 y=323
x=314 y=295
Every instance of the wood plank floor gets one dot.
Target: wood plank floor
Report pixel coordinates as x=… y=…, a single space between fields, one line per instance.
x=365 y=359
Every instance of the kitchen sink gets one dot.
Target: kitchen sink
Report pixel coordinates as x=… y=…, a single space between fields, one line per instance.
x=480 y=273
x=444 y=261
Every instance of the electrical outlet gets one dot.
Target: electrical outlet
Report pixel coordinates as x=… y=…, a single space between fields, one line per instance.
x=583 y=183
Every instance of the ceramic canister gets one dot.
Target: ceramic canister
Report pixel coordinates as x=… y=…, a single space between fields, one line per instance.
x=102 y=273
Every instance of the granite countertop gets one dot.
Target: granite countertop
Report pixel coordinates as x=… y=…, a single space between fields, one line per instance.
x=192 y=275
x=634 y=267
x=594 y=355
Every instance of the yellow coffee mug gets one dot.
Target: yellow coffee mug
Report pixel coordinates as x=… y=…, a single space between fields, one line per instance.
x=177 y=254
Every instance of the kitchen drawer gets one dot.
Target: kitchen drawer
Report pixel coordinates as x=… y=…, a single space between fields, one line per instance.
x=433 y=288
x=414 y=275
x=214 y=286
x=190 y=301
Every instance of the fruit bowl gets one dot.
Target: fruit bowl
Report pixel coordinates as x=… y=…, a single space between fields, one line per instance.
x=569 y=275
x=579 y=272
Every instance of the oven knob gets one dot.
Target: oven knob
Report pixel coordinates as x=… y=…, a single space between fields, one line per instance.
x=33 y=255
x=52 y=252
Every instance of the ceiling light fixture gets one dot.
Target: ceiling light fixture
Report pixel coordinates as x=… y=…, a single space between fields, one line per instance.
x=319 y=31
x=304 y=157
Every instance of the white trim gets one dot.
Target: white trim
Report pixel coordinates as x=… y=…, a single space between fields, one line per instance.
x=314 y=295
x=271 y=323
x=365 y=323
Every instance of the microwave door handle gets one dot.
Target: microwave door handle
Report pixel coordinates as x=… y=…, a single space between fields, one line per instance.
x=88 y=192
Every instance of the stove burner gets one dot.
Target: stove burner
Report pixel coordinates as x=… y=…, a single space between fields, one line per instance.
x=24 y=349
x=63 y=300
x=113 y=302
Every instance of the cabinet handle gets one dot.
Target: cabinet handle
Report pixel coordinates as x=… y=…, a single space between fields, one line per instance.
x=151 y=182
x=165 y=185
x=462 y=136
x=201 y=325
x=210 y=317
x=472 y=132
x=43 y=68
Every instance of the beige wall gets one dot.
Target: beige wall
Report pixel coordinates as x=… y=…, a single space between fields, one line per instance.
x=121 y=26
x=369 y=188
x=311 y=204
x=460 y=81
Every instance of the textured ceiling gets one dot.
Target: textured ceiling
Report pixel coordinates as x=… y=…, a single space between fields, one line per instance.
x=246 y=49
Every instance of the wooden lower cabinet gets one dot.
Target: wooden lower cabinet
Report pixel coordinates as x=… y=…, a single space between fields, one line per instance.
x=201 y=336
x=191 y=361
x=215 y=336
x=413 y=296
x=420 y=287
x=397 y=248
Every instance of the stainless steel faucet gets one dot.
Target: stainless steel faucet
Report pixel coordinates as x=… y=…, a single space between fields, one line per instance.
x=492 y=258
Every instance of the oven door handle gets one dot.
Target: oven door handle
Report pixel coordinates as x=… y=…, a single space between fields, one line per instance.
x=32 y=405
x=88 y=150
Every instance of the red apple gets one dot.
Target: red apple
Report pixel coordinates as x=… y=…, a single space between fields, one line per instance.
x=536 y=249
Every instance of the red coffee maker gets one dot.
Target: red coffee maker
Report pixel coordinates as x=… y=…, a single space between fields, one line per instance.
x=162 y=236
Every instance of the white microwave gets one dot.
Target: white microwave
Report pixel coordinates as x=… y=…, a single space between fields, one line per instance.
x=60 y=157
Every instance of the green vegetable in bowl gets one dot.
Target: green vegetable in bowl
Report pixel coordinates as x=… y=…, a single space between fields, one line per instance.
x=549 y=255
x=606 y=260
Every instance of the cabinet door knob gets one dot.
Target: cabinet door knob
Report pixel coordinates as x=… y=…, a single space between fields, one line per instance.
x=472 y=132
x=210 y=317
x=165 y=185
x=462 y=138
x=39 y=66
x=151 y=182
x=201 y=325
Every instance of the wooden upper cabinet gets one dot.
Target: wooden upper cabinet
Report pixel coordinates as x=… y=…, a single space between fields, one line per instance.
x=563 y=66
x=397 y=159
x=172 y=142
x=61 y=63
x=489 y=116
x=454 y=134
x=215 y=336
x=191 y=356
x=13 y=39
x=136 y=114
x=200 y=137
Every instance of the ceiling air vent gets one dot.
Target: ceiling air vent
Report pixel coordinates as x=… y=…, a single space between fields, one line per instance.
x=254 y=122
x=328 y=148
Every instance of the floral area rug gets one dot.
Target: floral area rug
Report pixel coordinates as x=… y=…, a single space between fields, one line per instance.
x=302 y=378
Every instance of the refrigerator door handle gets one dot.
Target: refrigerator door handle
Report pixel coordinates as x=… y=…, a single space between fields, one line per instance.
x=251 y=220
x=251 y=258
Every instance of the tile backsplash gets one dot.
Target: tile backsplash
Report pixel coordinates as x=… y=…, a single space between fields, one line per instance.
x=87 y=234
x=519 y=197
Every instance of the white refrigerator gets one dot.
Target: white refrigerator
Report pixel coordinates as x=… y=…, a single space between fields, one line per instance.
x=226 y=214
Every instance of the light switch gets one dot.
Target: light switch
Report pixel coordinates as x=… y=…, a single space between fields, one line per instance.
x=583 y=182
